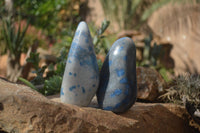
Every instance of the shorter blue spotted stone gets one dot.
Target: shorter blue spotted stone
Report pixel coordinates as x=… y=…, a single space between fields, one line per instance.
x=118 y=87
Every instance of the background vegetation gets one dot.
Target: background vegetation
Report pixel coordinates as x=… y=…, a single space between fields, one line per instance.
x=27 y=25
x=132 y=14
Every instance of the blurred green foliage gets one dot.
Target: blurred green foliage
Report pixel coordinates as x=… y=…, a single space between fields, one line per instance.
x=54 y=22
x=51 y=83
x=49 y=20
x=63 y=41
x=101 y=47
x=43 y=22
x=100 y=41
x=47 y=14
x=151 y=55
x=131 y=14
x=121 y=11
x=12 y=42
x=13 y=37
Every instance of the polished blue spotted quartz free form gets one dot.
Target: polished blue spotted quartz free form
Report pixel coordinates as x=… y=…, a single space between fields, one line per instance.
x=81 y=76
x=118 y=86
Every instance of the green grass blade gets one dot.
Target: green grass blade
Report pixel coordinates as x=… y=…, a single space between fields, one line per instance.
x=18 y=34
x=153 y=7
x=6 y=35
x=23 y=35
x=27 y=83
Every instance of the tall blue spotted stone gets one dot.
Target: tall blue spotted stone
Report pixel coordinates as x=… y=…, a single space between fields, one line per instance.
x=81 y=76
x=118 y=86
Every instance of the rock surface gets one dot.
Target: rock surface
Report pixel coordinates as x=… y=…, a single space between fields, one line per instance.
x=180 y=25
x=117 y=90
x=150 y=84
x=23 y=110
x=81 y=76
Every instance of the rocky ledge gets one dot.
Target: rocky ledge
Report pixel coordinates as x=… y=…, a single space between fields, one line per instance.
x=25 y=110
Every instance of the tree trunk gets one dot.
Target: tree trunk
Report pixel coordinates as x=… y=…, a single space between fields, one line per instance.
x=14 y=68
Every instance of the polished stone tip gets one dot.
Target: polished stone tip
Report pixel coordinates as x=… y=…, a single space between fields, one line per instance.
x=82 y=26
x=128 y=39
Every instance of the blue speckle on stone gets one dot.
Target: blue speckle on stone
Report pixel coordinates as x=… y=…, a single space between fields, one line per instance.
x=81 y=54
x=61 y=92
x=117 y=105
x=78 y=86
x=111 y=108
x=75 y=39
x=93 y=85
x=72 y=88
x=70 y=73
x=87 y=40
x=90 y=48
x=127 y=86
x=120 y=72
x=74 y=74
x=77 y=33
x=93 y=77
x=81 y=63
x=108 y=108
x=84 y=34
x=117 y=92
x=125 y=58
x=123 y=81
x=73 y=46
x=126 y=92
x=83 y=89
x=70 y=61
x=121 y=48
x=85 y=56
x=110 y=62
